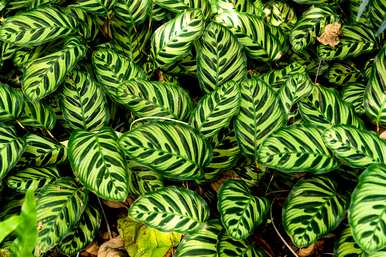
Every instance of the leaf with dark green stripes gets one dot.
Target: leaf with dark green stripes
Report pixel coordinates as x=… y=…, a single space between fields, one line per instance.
x=42 y=76
x=173 y=40
x=229 y=247
x=356 y=147
x=240 y=211
x=11 y=103
x=179 y=6
x=177 y=151
x=346 y=246
x=88 y=26
x=154 y=99
x=277 y=78
x=280 y=14
x=83 y=234
x=36 y=27
x=377 y=13
x=98 y=162
x=260 y=114
x=341 y=73
x=368 y=207
x=132 y=12
x=98 y=7
x=313 y=209
x=354 y=93
x=41 y=151
x=220 y=58
x=33 y=178
x=143 y=180
x=297 y=149
x=249 y=173
x=84 y=105
x=59 y=207
x=171 y=209
x=11 y=149
x=378 y=254
x=37 y=115
x=325 y=108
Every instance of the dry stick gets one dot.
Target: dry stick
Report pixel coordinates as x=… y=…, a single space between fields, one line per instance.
x=317 y=71
x=278 y=233
x=105 y=218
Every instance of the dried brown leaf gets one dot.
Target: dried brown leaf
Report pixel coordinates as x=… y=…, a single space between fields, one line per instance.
x=331 y=34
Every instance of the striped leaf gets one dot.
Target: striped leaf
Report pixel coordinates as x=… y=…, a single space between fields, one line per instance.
x=87 y=25
x=356 y=147
x=143 y=180
x=132 y=12
x=280 y=14
x=353 y=93
x=377 y=13
x=260 y=114
x=37 y=115
x=42 y=152
x=84 y=105
x=346 y=246
x=313 y=209
x=297 y=149
x=324 y=108
x=220 y=58
x=11 y=103
x=240 y=211
x=277 y=78
x=249 y=173
x=179 y=6
x=261 y=42
x=203 y=242
x=11 y=149
x=59 y=207
x=367 y=210
x=378 y=254
x=375 y=97
x=356 y=40
x=175 y=150
x=36 y=27
x=342 y=73
x=97 y=161
x=311 y=25
x=33 y=178
x=154 y=99
x=171 y=209
x=216 y=109
x=42 y=76
x=229 y=247
x=186 y=66
x=97 y=7
x=83 y=234
x=173 y=40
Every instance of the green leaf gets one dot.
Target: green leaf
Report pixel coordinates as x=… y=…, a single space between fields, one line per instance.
x=11 y=149
x=367 y=210
x=59 y=207
x=171 y=209
x=220 y=58
x=132 y=12
x=83 y=234
x=11 y=103
x=377 y=14
x=8 y=226
x=257 y=118
x=240 y=211
x=99 y=164
x=97 y=7
x=173 y=40
x=36 y=27
x=280 y=14
x=356 y=147
x=354 y=94
x=229 y=247
x=346 y=246
x=297 y=149
x=313 y=209
x=42 y=76
x=277 y=78
x=341 y=73
x=179 y=6
x=37 y=115
x=84 y=104
x=33 y=178
x=378 y=254
x=154 y=99
x=88 y=26
x=143 y=180
x=203 y=242
x=177 y=151
x=325 y=108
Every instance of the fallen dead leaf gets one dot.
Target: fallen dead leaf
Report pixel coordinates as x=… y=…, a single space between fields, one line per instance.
x=304 y=252
x=331 y=34
x=92 y=248
x=112 y=248
x=114 y=204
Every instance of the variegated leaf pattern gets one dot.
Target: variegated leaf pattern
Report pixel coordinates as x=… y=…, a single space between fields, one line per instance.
x=277 y=78
x=280 y=14
x=173 y=40
x=143 y=180
x=297 y=149
x=36 y=27
x=87 y=24
x=98 y=7
x=229 y=247
x=37 y=115
x=186 y=66
x=325 y=108
x=98 y=162
x=313 y=208
x=378 y=254
x=154 y=99
x=59 y=207
x=240 y=211
x=354 y=93
x=171 y=209
x=84 y=104
x=356 y=147
x=368 y=207
x=377 y=13
x=42 y=76
x=179 y=6
x=261 y=42
x=32 y=178
x=84 y=232
x=341 y=73
x=220 y=58
x=346 y=246
x=11 y=103
x=176 y=150
x=249 y=173
x=132 y=12
x=260 y=114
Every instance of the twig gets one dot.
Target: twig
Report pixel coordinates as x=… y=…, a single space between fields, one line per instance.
x=105 y=218
x=278 y=233
x=50 y=134
x=156 y=118
x=269 y=183
x=317 y=71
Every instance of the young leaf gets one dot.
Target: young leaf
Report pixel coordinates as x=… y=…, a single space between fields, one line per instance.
x=33 y=178
x=346 y=246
